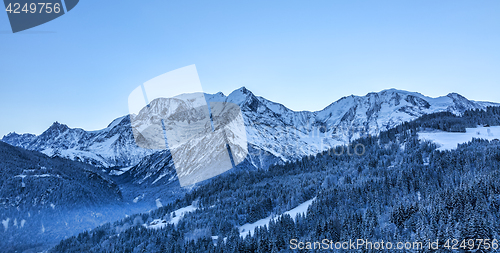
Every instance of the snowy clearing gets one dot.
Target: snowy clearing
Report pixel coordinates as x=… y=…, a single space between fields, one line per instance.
x=119 y=171
x=179 y=214
x=250 y=228
x=6 y=223
x=158 y=203
x=448 y=140
x=136 y=199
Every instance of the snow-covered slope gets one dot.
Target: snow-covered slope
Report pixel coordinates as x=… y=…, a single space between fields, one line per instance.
x=249 y=229
x=271 y=128
x=154 y=168
x=448 y=140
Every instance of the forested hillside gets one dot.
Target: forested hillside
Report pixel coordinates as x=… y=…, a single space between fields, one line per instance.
x=393 y=187
x=44 y=199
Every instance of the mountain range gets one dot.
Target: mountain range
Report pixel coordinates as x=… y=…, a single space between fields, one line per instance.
x=275 y=134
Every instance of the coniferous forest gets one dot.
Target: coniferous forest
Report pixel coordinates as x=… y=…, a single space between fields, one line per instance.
x=398 y=189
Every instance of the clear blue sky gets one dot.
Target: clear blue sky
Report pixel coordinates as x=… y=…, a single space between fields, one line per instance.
x=79 y=69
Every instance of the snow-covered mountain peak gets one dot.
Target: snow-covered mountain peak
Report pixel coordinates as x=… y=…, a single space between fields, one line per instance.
x=398 y=91
x=244 y=90
x=455 y=95
x=241 y=96
x=121 y=120
x=20 y=139
x=14 y=134
x=58 y=127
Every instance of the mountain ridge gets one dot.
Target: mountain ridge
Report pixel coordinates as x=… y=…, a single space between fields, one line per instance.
x=271 y=127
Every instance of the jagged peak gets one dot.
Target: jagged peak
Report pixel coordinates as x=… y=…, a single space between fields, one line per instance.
x=11 y=134
x=16 y=134
x=56 y=123
x=240 y=95
x=56 y=126
x=243 y=89
x=217 y=97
